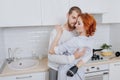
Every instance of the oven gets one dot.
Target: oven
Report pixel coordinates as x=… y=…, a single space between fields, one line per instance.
x=97 y=72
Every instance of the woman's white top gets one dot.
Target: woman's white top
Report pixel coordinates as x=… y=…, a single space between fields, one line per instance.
x=69 y=47
x=55 y=60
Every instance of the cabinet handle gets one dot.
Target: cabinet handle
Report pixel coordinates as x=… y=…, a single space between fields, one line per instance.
x=116 y=64
x=23 y=77
x=105 y=73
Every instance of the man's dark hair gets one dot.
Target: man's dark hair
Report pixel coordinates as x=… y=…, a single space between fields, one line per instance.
x=75 y=8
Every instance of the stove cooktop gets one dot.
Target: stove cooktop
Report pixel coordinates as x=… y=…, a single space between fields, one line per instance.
x=98 y=58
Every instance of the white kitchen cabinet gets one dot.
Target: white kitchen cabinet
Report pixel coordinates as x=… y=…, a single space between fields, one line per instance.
x=54 y=11
x=32 y=76
x=113 y=14
x=91 y=6
x=114 y=73
x=20 y=13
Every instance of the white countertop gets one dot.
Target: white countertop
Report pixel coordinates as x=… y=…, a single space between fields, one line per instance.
x=43 y=67
x=116 y=59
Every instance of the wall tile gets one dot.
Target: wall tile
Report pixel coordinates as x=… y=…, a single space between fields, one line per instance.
x=28 y=40
x=32 y=40
x=2 y=53
x=102 y=35
x=115 y=37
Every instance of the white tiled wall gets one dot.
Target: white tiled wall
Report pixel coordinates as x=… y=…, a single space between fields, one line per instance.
x=2 y=53
x=102 y=35
x=27 y=41
x=0 y=40
x=30 y=40
x=115 y=36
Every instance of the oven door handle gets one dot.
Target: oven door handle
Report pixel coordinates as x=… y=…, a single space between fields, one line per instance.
x=105 y=73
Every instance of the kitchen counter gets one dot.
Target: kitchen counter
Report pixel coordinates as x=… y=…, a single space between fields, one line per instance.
x=41 y=67
x=111 y=59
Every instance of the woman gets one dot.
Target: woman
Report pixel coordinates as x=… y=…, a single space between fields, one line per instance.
x=85 y=27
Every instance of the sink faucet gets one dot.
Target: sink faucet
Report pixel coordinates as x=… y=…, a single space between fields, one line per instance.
x=11 y=54
x=9 y=59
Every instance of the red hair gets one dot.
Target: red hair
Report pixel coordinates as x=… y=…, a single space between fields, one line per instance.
x=89 y=23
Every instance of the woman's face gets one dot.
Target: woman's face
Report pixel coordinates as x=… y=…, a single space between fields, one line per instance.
x=79 y=25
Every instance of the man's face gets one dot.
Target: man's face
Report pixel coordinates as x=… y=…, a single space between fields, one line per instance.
x=72 y=19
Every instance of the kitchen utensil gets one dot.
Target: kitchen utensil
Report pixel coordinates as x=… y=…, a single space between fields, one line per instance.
x=117 y=54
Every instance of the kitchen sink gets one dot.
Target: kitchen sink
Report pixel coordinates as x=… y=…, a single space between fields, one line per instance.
x=23 y=64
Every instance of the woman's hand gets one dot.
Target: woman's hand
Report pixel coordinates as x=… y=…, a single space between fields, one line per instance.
x=78 y=54
x=56 y=40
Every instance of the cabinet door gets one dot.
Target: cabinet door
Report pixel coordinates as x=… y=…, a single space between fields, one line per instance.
x=20 y=12
x=114 y=73
x=91 y=6
x=33 y=76
x=113 y=14
x=54 y=11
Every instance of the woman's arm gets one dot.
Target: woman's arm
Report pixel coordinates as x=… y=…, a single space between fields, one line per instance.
x=56 y=40
x=62 y=59
x=88 y=54
x=66 y=59
x=72 y=71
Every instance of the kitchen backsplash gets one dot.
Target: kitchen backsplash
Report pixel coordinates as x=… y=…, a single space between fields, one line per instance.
x=2 y=53
x=27 y=41
x=102 y=35
x=115 y=36
x=33 y=41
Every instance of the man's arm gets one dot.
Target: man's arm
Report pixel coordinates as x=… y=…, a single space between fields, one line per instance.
x=63 y=59
x=66 y=59
x=52 y=37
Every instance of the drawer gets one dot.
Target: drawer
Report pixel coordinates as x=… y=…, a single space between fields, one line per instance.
x=32 y=76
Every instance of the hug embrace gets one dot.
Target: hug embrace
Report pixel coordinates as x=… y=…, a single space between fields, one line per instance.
x=71 y=46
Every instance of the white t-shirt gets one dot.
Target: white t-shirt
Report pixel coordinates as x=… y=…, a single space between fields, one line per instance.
x=55 y=60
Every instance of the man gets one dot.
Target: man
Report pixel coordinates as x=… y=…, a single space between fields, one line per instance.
x=68 y=33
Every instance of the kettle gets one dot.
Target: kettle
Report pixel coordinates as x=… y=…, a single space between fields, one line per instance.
x=117 y=54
